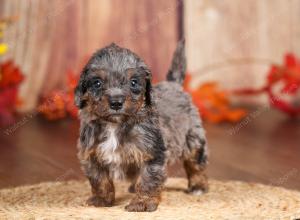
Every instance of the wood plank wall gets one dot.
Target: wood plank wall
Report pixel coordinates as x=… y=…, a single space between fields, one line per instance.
x=53 y=36
x=242 y=37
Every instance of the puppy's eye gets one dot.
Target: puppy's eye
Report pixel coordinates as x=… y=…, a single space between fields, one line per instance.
x=96 y=83
x=133 y=83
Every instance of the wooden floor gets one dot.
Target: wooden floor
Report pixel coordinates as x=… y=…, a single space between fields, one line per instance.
x=263 y=148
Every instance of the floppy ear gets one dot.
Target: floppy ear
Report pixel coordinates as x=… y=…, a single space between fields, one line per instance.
x=148 y=87
x=148 y=92
x=79 y=92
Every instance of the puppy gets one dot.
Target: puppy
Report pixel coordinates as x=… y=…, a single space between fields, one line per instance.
x=131 y=130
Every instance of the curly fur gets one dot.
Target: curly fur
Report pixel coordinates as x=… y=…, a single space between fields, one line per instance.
x=150 y=127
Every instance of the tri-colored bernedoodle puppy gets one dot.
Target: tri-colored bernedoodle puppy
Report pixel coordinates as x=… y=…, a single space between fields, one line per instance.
x=132 y=130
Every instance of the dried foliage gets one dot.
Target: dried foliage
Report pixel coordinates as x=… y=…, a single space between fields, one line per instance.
x=282 y=86
x=60 y=103
x=214 y=103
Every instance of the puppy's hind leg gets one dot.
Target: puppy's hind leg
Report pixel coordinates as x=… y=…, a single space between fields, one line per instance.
x=195 y=161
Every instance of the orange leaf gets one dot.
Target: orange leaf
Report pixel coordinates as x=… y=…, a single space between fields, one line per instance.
x=214 y=103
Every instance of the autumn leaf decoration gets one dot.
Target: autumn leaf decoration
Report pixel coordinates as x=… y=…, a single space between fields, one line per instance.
x=213 y=102
x=60 y=103
x=10 y=79
x=282 y=86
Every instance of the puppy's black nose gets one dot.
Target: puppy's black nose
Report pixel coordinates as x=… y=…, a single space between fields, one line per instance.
x=116 y=102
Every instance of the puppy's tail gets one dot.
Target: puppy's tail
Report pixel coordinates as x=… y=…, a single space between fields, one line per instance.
x=177 y=70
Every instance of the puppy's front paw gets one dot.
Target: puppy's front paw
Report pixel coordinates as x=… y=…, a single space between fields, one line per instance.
x=197 y=191
x=99 y=202
x=142 y=205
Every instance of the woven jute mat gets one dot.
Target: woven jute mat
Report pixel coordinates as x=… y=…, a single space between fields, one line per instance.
x=225 y=200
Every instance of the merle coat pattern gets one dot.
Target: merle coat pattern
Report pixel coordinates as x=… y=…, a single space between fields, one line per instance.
x=132 y=130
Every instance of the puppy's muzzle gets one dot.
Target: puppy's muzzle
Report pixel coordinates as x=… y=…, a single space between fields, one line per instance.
x=116 y=102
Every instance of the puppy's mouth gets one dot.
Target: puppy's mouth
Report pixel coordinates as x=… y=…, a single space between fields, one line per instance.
x=117 y=114
x=116 y=117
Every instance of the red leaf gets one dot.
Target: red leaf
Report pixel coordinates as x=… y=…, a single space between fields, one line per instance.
x=290 y=60
x=10 y=75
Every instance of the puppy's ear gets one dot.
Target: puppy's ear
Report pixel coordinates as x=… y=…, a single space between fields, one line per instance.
x=80 y=90
x=148 y=87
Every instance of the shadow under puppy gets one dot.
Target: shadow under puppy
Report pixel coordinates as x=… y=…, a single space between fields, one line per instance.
x=130 y=129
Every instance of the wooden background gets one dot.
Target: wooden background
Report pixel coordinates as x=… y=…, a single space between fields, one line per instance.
x=230 y=41
x=53 y=36
x=234 y=42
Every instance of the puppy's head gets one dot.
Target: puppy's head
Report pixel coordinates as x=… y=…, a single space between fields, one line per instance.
x=114 y=85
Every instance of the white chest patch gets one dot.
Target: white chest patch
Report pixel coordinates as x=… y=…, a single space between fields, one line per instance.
x=111 y=142
x=109 y=146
